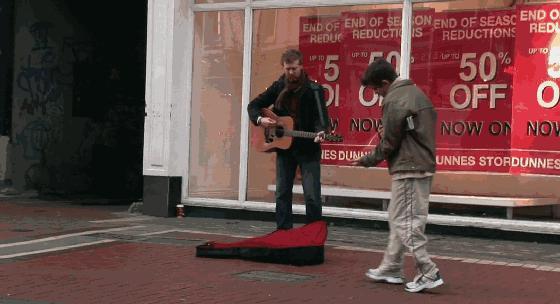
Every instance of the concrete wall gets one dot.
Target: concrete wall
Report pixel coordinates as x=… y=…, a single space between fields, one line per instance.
x=46 y=41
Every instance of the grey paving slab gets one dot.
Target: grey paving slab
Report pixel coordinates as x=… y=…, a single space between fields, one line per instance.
x=42 y=246
x=273 y=276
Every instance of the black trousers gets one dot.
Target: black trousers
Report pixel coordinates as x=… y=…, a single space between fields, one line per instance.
x=286 y=165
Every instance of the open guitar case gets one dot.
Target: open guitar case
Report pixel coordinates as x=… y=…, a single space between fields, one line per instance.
x=299 y=246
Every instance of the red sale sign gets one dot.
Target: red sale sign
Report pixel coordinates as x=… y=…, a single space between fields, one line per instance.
x=536 y=112
x=472 y=60
x=320 y=41
x=355 y=111
x=493 y=115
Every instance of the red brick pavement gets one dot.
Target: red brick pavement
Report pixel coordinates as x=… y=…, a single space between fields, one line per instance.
x=155 y=273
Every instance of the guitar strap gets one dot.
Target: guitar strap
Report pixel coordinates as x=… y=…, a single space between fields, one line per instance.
x=319 y=108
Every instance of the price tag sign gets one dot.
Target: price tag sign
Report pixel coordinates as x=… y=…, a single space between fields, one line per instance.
x=472 y=72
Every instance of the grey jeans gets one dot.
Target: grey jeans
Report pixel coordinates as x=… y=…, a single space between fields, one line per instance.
x=408 y=214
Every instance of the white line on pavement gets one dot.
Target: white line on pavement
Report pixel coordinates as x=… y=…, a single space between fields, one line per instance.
x=58 y=237
x=354 y=248
x=125 y=219
x=54 y=249
x=195 y=232
x=159 y=232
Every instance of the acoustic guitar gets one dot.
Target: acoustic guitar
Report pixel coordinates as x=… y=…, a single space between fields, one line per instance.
x=281 y=136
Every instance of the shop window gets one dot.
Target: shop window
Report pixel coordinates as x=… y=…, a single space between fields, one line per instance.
x=490 y=75
x=216 y=105
x=337 y=43
x=494 y=80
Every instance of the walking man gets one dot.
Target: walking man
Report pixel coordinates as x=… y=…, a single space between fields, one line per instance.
x=407 y=142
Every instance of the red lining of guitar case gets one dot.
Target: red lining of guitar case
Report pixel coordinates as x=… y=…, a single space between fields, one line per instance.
x=298 y=246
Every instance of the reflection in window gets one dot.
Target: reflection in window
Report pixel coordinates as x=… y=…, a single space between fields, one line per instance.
x=216 y=105
x=320 y=33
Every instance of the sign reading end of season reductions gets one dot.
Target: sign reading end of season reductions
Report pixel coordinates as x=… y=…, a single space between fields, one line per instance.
x=536 y=109
x=493 y=116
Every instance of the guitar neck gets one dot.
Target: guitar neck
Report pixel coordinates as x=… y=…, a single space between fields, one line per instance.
x=302 y=134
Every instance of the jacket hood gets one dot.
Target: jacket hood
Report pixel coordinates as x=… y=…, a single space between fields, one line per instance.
x=399 y=82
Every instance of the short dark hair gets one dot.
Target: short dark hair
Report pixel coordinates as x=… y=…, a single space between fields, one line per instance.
x=378 y=71
x=291 y=56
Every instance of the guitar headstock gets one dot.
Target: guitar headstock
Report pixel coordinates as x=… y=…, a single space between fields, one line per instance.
x=333 y=137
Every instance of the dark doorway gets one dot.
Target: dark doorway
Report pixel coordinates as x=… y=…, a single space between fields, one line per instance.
x=6 y=64
x=109 y=88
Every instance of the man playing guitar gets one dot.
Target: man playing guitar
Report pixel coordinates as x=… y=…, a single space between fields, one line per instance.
x=294 y=95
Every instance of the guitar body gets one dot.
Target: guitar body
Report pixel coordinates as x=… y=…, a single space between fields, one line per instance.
x=270 y=139
x=281 y=136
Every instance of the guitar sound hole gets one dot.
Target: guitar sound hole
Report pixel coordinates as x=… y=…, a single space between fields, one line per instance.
x=279 y=131
x=271 y=134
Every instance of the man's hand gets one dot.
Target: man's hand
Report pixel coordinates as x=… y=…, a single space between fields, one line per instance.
x=267 y=122
x=320 y=137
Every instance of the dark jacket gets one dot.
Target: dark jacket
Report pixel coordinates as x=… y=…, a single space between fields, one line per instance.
x=309 y=115
x=406 y=150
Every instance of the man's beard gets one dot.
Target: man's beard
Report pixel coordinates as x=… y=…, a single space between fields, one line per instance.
x=293 y=79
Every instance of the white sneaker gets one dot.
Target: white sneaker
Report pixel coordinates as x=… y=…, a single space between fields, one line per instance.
x=378 y=276
x=422 y=282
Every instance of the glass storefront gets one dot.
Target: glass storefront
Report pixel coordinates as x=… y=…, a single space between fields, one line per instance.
x=498 y=120
x=216 y=105
x=318 y=33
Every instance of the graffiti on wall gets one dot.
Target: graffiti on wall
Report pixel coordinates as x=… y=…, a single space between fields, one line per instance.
x=37 y=75
x=34 y=138
x=46 y=71
x=44 y=80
